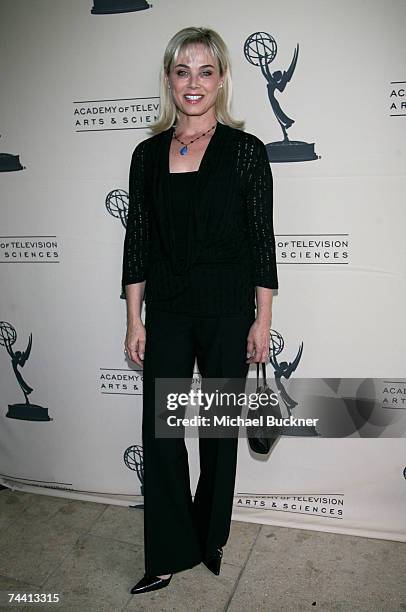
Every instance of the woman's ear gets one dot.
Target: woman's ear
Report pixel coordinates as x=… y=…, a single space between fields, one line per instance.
x=223 y=78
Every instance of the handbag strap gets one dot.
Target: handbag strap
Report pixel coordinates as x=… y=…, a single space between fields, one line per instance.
x=265 y=383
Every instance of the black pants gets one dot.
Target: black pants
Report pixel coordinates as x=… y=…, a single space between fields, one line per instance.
x=179 y=531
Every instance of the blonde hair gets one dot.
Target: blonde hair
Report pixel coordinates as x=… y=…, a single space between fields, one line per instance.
x=216 y=46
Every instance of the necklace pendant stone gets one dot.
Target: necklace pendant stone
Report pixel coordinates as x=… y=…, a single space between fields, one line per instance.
x=183 y=150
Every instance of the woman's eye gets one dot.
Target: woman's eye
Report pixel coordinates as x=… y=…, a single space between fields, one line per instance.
x=184 y=73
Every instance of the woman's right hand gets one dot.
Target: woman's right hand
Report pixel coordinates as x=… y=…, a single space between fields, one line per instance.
x=135 y=342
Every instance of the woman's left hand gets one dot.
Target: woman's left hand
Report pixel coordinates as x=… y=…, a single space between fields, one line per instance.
x=258 y=341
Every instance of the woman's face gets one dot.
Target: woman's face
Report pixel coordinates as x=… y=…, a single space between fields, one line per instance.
x=195 y=80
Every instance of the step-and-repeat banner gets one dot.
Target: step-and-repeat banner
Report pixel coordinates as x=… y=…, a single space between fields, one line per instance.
x=322 y=83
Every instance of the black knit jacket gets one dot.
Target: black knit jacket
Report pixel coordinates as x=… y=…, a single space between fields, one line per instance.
x=232 y=246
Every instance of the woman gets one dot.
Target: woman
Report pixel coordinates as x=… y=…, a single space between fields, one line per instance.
x=199 y=248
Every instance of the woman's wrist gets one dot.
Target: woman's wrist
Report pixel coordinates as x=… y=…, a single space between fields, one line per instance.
x=264 y=313
x=134 y=321
x=264 y=305
x=264 y=319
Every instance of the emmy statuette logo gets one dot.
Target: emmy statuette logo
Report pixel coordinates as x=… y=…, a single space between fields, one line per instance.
x=10 y=163
x=284 y=369
x=260 y=49
x=26 y=411
x=109 y=7
x=117 y=205
x=134 y=460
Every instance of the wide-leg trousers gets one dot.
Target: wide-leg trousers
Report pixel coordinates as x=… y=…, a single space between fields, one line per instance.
x=180 y=531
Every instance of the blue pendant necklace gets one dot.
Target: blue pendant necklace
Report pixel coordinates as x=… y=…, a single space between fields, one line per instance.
x=184 y=150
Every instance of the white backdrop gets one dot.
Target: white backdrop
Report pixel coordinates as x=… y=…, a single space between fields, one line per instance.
x=78 y=91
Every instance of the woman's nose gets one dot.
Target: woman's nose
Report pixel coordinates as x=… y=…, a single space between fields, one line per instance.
x=193 y=80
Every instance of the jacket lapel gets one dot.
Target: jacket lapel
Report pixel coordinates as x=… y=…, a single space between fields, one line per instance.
x=203 y=200
x=162 y=195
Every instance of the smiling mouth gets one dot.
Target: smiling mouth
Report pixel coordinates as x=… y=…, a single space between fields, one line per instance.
x=193 y=99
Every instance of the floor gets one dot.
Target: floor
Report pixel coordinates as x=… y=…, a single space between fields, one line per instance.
x=91 y=554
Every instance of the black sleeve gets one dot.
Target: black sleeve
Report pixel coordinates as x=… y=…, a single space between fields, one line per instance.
x=135 y=251
x=259 y=209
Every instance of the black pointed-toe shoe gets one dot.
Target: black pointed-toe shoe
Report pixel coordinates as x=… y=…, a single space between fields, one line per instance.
x=214 y=562
x=150 y=583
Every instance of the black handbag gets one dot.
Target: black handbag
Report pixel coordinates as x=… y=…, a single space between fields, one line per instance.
x=261 y=437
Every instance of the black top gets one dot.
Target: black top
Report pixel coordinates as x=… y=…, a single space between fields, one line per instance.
x=182 y=187
x=231 y=238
